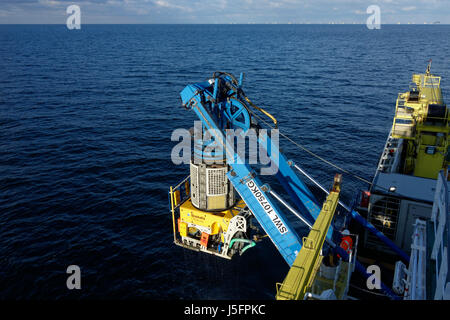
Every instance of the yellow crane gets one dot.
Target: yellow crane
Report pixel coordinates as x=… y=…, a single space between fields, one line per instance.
x=304 y=269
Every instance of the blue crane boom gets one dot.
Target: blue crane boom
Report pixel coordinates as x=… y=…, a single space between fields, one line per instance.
x=244 y=179
x=220 y=104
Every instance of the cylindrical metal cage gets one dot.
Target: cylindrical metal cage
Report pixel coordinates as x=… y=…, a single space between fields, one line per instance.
x=210 y=188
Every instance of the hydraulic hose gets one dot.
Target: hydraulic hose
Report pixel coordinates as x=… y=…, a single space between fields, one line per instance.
x=250 y=243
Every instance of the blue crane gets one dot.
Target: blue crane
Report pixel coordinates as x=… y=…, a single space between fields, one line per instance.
x=221 y=104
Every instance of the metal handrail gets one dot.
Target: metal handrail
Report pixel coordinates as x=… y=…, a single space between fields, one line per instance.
x=440 y=217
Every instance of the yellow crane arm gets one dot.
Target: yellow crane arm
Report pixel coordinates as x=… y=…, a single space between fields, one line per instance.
x=304 y=269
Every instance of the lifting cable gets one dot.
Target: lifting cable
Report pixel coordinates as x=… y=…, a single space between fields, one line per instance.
x=309 y=151
x=322 y=159
x=298 y=145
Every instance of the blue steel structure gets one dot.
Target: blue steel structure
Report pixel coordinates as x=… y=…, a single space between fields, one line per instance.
x=220 y=104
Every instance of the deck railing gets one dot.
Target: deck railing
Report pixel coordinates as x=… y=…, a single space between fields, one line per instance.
x=417 y=265
x=441 y=220
x=177 y=196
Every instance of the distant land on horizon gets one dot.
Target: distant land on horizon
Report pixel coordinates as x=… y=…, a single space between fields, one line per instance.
x=306 y=23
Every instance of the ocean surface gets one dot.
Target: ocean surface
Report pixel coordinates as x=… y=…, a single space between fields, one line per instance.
x=86 y=118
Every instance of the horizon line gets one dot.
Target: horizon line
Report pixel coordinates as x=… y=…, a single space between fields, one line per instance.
x=248 y=23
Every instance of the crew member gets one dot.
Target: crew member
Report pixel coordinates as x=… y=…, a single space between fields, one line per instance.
x=346 y=242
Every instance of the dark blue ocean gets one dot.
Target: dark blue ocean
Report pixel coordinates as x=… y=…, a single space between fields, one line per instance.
x=85 y=123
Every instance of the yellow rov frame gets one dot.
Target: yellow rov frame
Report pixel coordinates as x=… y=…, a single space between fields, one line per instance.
x=212 y=223
x=189 y=220
x=302 y=274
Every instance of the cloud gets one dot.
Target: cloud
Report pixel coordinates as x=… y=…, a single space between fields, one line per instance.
x=224 y=11
x=50 y=2
x=409 y=8
x=166 y=4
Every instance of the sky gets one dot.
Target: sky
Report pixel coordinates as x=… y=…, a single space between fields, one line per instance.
x=224 y=11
